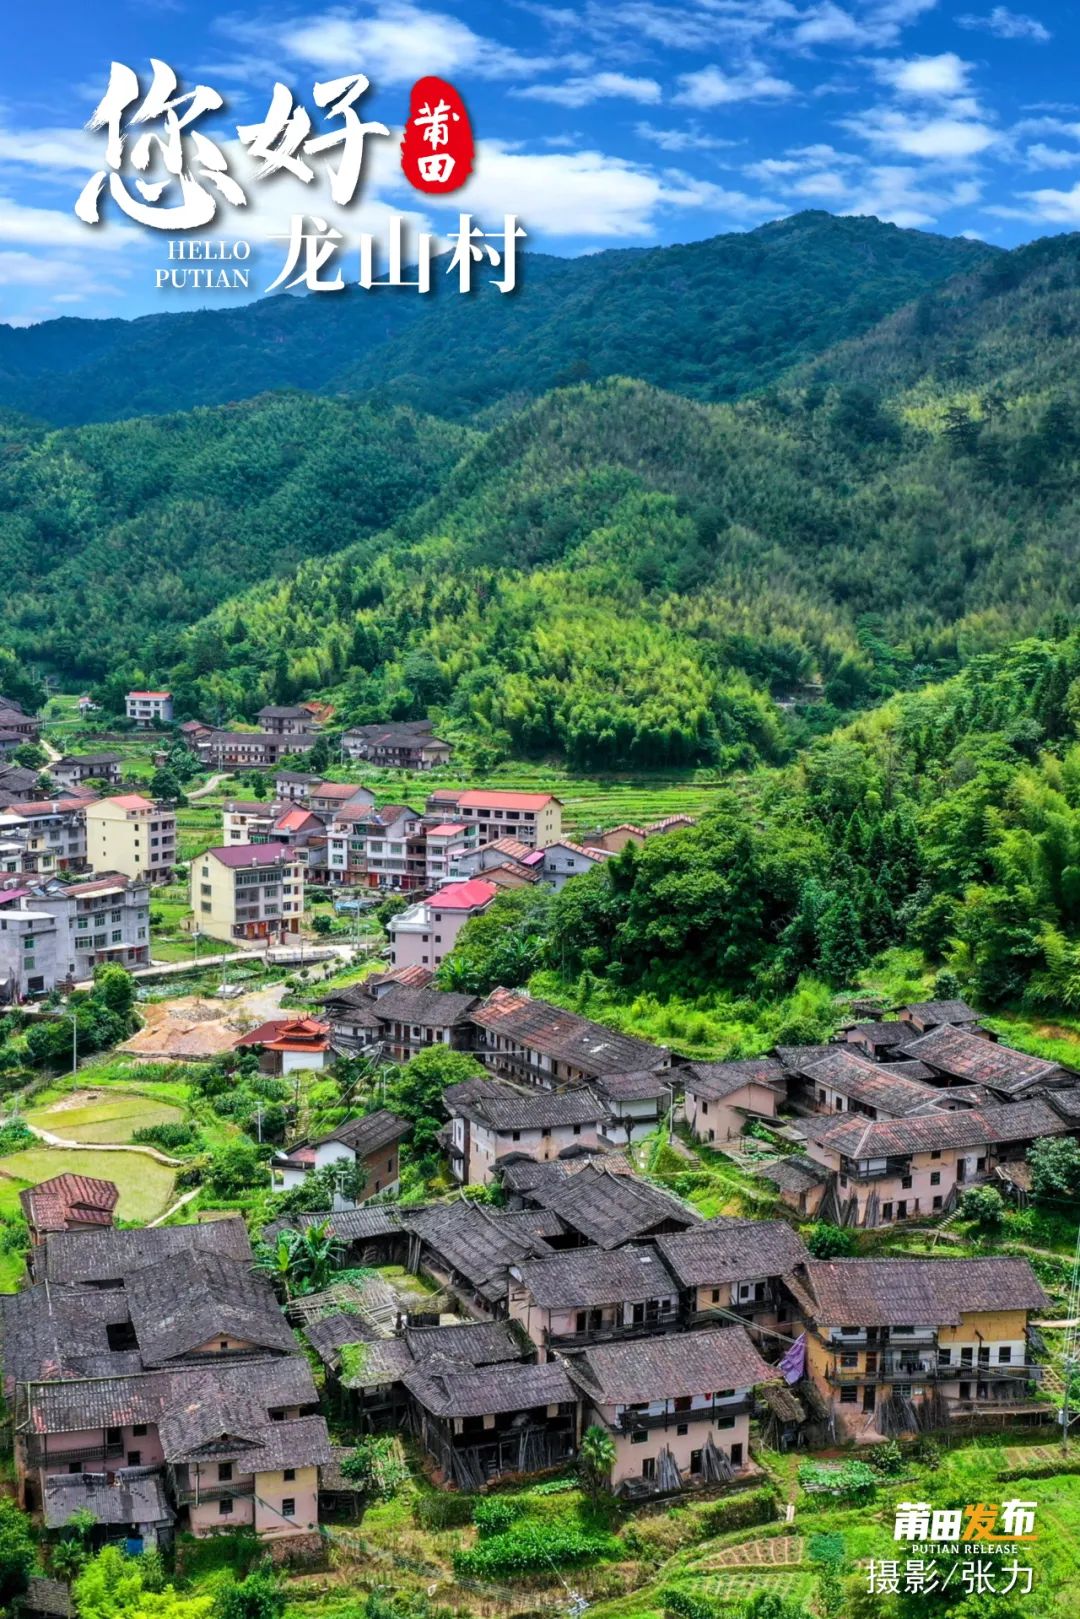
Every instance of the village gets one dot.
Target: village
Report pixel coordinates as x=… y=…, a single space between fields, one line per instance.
x=515 y=1281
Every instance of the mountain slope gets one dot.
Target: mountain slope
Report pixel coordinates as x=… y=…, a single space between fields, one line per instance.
x=711 y=319
x=114 y=534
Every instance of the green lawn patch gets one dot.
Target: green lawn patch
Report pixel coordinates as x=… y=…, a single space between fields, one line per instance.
x=145 y=1186
x=112 y=1118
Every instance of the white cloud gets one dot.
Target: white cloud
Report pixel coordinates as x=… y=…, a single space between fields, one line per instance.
x=875 y=25
x=579 y=92
x=1008 y=25
x=946 y=138
x=48 y=227
x=587 y=194
x=927 y=76
x=67 y=151
x=680 y=140
x=1056 y=207
x=1041 y=156
x=392 y=42
x=712 y=87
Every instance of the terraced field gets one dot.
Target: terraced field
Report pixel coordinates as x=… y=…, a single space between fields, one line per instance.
x=84 y=1116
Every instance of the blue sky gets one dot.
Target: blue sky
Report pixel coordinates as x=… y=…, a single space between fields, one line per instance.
x=600 y=124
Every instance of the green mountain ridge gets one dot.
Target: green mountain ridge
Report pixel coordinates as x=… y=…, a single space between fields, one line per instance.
x=713 y=319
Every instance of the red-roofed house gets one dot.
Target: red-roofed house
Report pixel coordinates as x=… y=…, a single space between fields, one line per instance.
x=424 y=934
x=535 y=818
x=68 y=1203
x=286 y=1045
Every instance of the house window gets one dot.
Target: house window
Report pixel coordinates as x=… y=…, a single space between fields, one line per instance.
x=939 y=1203
x=288 y=1507
x=905 y=1182
x=134 y=1458
x=139 y=1430
x=112 y=1435
x=639 y=1436
x=886 y=1211
x=716 y=1295
x=648 y=1467
x=848 y=1395
x=935 y=1154
x=725 y=1422
x=224 y=1472
x=1004 y=1355
x=224 y=1507
x=288 y=1474
x=682 y=1428
x=74 y=1467
x=850 y=1361
x=224 y=1343
x=935 y=1178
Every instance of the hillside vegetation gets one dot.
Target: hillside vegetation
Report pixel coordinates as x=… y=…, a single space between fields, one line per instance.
x=712 y=319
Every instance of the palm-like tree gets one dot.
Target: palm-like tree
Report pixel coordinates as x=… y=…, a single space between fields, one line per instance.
x=596 y=1458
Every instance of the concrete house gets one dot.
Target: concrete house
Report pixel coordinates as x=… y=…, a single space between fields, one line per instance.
x=533 y=818
x=286 y=721
x=248 y=891
x=636 y=1102
x=289 y=1045
x=399 y=745
x=148 y=707
x=950 y=1336
x=329 y=797
x=425 y=934
x=722 y=1096
x=133 y=835
x=562 y=860
x=491 y=1119
x=677 y=1408
x=52 y=932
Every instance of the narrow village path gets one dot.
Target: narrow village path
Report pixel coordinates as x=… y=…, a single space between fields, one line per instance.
x=179 y=1204
x=208 y=786
x=52 y=1140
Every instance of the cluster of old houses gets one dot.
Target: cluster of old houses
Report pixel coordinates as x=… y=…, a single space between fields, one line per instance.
x=290 y=729
x=152 y=1380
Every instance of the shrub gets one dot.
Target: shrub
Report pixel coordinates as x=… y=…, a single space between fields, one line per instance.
x=173 y=1137
x=682 y=1604
x=927 y=1450
x=886 y=1458
x=377 y=1464
x=740 y=1511
x=984 y=1205
x=495 y=1514
x=829 y=1241
x=852 y=1479
x=534 y=1547
x=443 y=1511
x=14 y=1136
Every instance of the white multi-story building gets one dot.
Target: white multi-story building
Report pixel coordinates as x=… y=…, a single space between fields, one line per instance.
x=144 y=707
x=52 y=932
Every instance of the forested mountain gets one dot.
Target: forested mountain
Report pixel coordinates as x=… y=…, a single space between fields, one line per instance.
x=712 y=319
x=115 y=536
x=614 y=571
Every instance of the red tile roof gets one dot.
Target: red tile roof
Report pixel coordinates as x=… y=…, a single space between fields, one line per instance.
x=149 y=693
x=468 y=896
x=131 y=801
x=288 y=1034
x=477 y=798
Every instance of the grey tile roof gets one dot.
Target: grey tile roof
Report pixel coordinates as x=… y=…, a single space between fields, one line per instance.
x=503 y=1106
x=351 y=1225
x=582 y=1278
x=175 y=1400
x=108 y=1254
x=328 y=1335
x=48 y=1332
x=367 y=1134
x=637 y=1085
x=932 y=1132
x=177 y=1308
x=453 y=1390
x=792 y=1058
x=565 y=1036
x=131 y=1495
x=426 y=1007
x=961 y=1055
x=919 y=1292
x=882 y=1035
x=604 y=1206
x=794 y=1174
x=480 y=1343
x=639 y=1370
x=480 y=1243
x=872 y=1084
x=46 y=1596
x=942 y=1011
x=731 y=1250
x=377 y=1361
x=715 y=1080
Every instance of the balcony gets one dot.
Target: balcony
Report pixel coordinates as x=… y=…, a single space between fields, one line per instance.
x=191 y=1497
x=38 y=1456
x=908 y=1369
x=610 y=1331
x=634 y=1421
